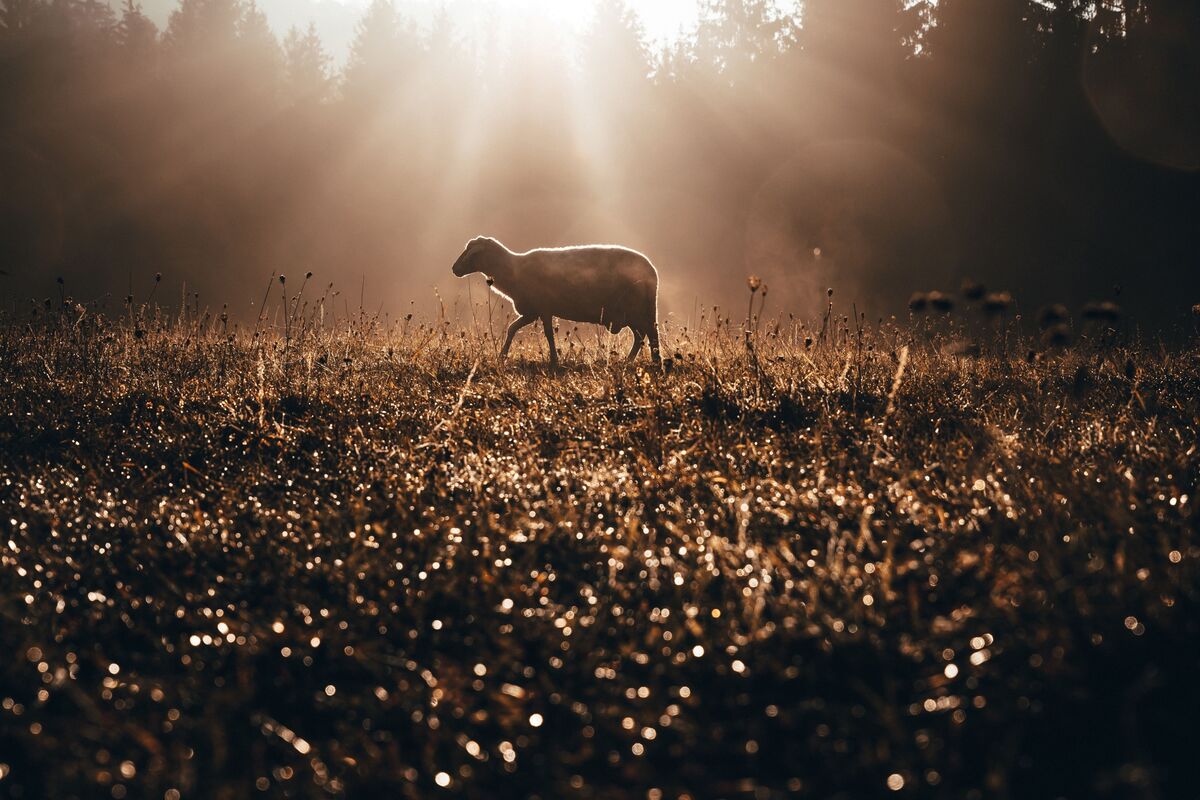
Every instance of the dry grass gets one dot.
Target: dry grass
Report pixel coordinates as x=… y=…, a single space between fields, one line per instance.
x=343 y=559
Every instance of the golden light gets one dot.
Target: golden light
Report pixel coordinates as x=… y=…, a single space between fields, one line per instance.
x=662 y=20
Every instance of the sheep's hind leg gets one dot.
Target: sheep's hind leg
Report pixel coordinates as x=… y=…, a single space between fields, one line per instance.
x=548 y=327
x=519 y=323
x=654 y=353
x=638 y=339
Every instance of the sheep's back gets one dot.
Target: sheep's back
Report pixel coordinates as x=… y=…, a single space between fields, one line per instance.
x=588 y=284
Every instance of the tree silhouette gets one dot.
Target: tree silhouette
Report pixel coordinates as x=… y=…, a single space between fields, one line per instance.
x=136 y=35
x=307 y=66
x=381 y=56
x=258 y=54
x=736 y=37
x=197 y=26
x=18 y=15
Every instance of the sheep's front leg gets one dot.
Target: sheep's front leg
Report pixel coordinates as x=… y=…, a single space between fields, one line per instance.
x=519 y=323
x=548 y=327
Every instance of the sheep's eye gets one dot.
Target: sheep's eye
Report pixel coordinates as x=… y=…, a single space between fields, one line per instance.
x=491 y=281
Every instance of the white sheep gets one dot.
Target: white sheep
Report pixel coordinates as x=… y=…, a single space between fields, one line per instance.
x=608 y=285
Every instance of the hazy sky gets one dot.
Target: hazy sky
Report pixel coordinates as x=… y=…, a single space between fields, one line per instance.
x=663 y=19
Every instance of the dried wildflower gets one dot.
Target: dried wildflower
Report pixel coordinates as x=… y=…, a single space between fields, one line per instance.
x=940 y=302
x=997 y=302
x=1105 y=311
x=754 y=282
x=1051 y=315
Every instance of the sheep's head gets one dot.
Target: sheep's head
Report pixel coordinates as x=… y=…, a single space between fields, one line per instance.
x=474 y=257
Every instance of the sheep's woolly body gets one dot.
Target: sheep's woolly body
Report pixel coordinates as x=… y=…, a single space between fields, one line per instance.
x=605 y=284
x=612 y=286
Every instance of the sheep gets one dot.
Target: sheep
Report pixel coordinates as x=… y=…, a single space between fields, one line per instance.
x=604 y=284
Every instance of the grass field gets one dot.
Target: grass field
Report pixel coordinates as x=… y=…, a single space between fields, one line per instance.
x=372 y=560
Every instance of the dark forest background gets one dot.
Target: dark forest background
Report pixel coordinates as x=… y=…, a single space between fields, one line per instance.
x=875 y=146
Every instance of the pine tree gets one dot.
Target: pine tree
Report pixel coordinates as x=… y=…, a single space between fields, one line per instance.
x=260 y=56
x=381 y=55
x=18 y=15
x=95 y=15
x=615 y=55
x=441 y=33
x=136 y=35
x=307 y=66
x=450 y=75
x=202 y=25
x=615 y=71
x=734 y=36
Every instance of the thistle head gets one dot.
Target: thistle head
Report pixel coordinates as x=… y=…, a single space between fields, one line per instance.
x=1106 y=311
x=940 y=302
x=997 y=302
x=1051 y=315
x=972 y=290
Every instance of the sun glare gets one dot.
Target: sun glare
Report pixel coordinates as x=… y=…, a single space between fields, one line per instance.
x=663 y=20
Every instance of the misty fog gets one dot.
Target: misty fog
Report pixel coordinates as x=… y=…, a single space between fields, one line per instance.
x=870 y=146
